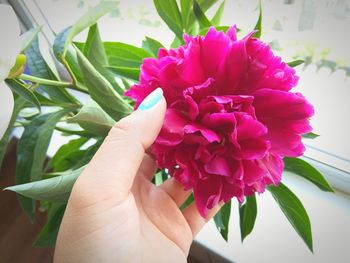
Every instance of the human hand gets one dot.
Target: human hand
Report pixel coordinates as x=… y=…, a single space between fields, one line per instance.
x=115 y=213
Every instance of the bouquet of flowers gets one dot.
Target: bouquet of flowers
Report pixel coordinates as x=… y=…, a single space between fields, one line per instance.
x=232 y=125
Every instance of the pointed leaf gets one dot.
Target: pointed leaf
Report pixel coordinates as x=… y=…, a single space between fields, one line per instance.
x=94 y=119
x=31 y=153
x=258 y=25
x=218 y=14
x=22 y=91
x=95 y=52
x=56 y=189
x=127 y=72
x=186 y=11
x=152 y=46
x=294 y=210
x=222 y=219
x=62 y=153
x=170 y=13
x=247 y=216
x=200 y=16
x=296 y=63
x=102 y=91
x=310 y=135
x=306 y=170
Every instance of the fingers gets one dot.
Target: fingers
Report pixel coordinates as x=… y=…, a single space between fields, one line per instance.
x=175 y=191
x=195 y=220
x=114 y=166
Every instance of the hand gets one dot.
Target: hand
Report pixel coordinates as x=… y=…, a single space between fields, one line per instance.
x=115 y=213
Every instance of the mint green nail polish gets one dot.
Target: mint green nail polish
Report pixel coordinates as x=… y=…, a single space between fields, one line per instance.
x=151 y=100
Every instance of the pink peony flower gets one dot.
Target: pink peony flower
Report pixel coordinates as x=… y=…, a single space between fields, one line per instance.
x=231 y=117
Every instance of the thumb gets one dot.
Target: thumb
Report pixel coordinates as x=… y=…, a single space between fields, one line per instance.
x=112 y=170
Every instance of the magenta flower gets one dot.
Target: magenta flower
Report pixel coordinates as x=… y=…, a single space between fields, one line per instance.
x=231 y=117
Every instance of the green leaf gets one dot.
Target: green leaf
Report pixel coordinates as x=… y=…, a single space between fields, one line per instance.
x=258 y=26
x=201 y=18
x=124 y=55
x=31 y=153
x=186 y=11
x=129 y=73
x=204 y=31
x=296 y=63
x=218 y=14
x=22 y=91
x=222 y=219
x=38 y=68
x=88 y=154
x=93 y=118
x=152 y=46
x=102 y=91
x=294 y=210
x=310 y=135
x=306 y=170
x=189 y=201
x=247 y=216
x=28 y=37
x=61 y=157
x=56 y=189
x=170 y=13
x=48 y=234
x=86 y=21
x=69 y=60
x=18 y=106
x=206 y=4
x=95 y=52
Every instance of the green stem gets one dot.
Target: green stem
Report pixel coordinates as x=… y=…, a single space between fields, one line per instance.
x=52 y=82
x=44 y=81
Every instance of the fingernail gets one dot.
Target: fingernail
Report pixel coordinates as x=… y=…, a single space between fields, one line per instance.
x=151 y=100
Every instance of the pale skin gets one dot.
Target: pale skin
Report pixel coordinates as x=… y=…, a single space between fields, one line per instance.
x=115 y=213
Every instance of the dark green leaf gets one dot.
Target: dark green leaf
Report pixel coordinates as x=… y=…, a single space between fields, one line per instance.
x=22 y=91
x=306 y=170
x=170 y=13
x=38 y=68
x=247 y=216
x=48 y=234
x=31 y=153
x=129 y=73
x=94 y=119
x=28 y=37
x=152 y=46
x=296 y=63
x=310 y=135
x=57 y=162
x=201 y=18
x=258 y=26
x=88 y=154
x=56 y=189
x=222 y=219
x=189 y=201
x=218 y=14
x=102 y=91
x=294 y=210
x=95 y=52
x=125 y=55
x=18 y=106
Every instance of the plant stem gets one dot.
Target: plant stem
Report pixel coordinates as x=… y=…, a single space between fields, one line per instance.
x=52 y=82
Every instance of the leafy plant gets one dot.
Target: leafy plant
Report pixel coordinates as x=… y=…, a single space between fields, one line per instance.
x=93 y=67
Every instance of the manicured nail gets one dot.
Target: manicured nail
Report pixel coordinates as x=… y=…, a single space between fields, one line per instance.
x=151 y=100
